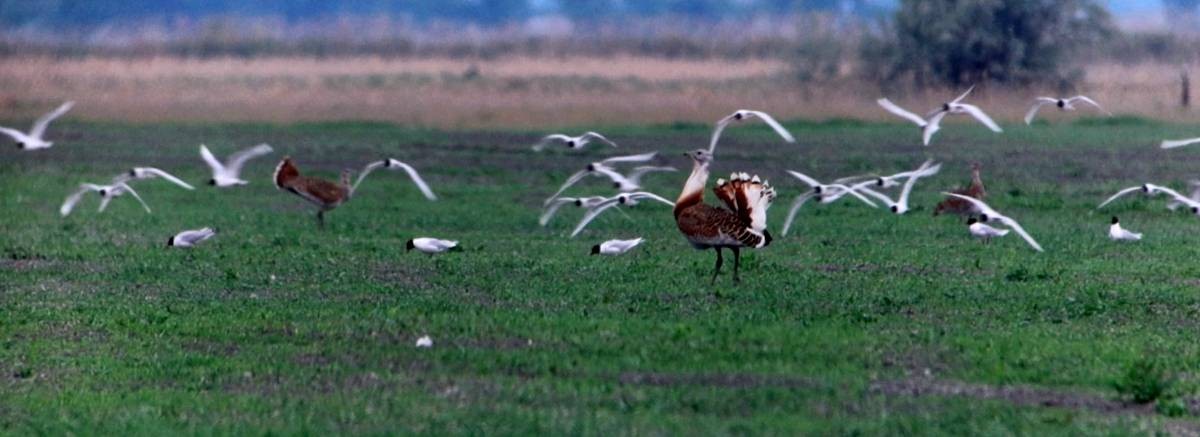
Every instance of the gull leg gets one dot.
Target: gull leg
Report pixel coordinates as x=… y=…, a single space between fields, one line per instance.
x=716 y=269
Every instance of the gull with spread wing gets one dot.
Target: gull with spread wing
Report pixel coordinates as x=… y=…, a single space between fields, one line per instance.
x=744 y=114
x=928 y=126
x=957 y=107
x=596 y=169
x=571 y=142
x=228 y=173
x=35 y=139
x=395 y=165
x=620 y=199
x=1062 y=105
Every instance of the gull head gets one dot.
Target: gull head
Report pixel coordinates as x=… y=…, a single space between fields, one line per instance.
x=1061 y=103
x=103 y=192
x=879 y=182
x=623 y=199
x=571 y=144
x=1114 y=220
x=20 y=145
x=408 y=246
x=1146 y=188
x=1196 y=210
x=212 y=182
x=700 y=156
x=817 y=189
x=946 y=107
x=592 y=166
x=596 y=249
x=740 y=115
x=896 y=209
x=983 y=218
x=171 y=241
x=579 y=203
x=971 y=221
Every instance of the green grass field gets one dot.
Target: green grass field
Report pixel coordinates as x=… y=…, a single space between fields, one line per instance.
x=858 y=322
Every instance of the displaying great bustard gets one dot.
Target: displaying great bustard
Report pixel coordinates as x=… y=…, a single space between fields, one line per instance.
x=743 y=221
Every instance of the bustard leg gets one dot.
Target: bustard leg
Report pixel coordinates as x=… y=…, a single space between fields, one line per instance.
x=737 y=262
x=717 y=269
x=321 y=219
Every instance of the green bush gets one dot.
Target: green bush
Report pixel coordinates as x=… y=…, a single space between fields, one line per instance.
x=1144 y=381
x=961 y=42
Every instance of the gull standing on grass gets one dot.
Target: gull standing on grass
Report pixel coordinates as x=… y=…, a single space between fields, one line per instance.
x=744 y=114
x=571 y=142
x=615 y=247
x=1117 y=233
x=1061 y=104
x=191 y=237
x=35 y=139
x=986 y=214
x=228 y=174
x=430 y=246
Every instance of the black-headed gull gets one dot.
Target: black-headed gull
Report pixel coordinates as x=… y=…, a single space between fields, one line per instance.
x=571 y=142
x=227 y=174
x=893 y=180
x=430 y=245
x=35 y=139
x=986 y=214
x=1148 y=189
x=393 y=164
x=581 y=202
x=1194 y=195
x=424 y=342
x=595 y=169
x=743 y=114
x=900 y=205
x=620 y=199
x=107 y=193
x=928 y=126
x=828 y=193
x=1117 y=233
x=615 y=247
x=1067 y=104
x=984 y=232
x=957 y=107
x=191 y=238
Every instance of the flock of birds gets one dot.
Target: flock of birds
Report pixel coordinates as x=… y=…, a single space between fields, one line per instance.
x=740 y=222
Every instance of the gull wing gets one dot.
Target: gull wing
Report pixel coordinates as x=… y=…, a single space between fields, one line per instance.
x=796 y=204
x=75 y=197
x=211 y=160
x=630 y=158
x=963 y=96
x=575 y=178
x=597 y=136
x=980 y=207
x=716 y=135
x=805 y=178
x=136 y=196
x=162 y=174
x=1088 y=100
x=363 y=174
x=935 y=124
x=1020 y=231
x=896 y=109
x=546 y=140
x=553 y=209
x=1037 y=105
x=594 y=212
x=1171 y=144
x=649 y=195
x=416 y=177
x=238 y=160
x=15 y=134
x=1119 y=194
x=787 y=136
x=981 y=116
x=39 y=126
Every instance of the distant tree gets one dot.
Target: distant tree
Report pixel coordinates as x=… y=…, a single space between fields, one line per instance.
x=959 y=42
